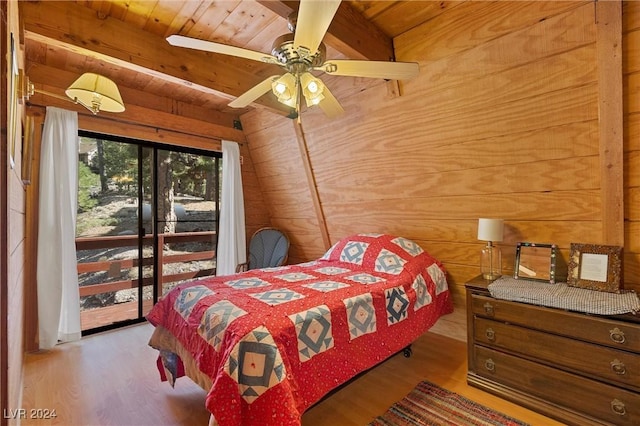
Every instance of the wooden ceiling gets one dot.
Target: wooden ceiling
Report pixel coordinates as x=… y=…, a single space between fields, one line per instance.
x=125 y=41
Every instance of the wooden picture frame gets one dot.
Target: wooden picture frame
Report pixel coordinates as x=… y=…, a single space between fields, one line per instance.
x=595 y=267
x=536 y=262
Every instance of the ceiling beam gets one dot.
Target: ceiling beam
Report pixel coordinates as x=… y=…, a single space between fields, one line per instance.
x=76 y=28
x=60 y=79
x=141 y=116
x=349 y=33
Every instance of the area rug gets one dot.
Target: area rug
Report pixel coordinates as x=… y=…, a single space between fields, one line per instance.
x=429 y=404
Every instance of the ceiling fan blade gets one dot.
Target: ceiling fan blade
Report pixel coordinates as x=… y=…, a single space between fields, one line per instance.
x=330 y=105
x=314 y=18
x=254 y=93
x=210 y=46
x=371 y=69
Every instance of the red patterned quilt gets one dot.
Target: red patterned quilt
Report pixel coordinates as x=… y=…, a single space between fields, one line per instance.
x=274 y=341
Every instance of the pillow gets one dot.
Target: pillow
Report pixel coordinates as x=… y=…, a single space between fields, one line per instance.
x=378 y=252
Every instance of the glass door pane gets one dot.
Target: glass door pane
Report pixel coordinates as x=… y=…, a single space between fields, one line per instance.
x=187 y=212
x=107 y=226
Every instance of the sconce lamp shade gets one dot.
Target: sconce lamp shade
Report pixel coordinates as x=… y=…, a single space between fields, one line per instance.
x=490 y=229
x=96 y=93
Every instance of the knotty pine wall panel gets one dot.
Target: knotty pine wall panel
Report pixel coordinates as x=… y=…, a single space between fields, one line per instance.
x=502 y=121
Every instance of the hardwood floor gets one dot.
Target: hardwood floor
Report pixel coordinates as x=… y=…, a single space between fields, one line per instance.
x=111 y=379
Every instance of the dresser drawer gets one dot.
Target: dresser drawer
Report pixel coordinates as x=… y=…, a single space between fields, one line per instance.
x=589 y=328
x=613 y=365
x=581 y=395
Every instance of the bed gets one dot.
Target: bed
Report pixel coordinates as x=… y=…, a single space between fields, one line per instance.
x=267 y=344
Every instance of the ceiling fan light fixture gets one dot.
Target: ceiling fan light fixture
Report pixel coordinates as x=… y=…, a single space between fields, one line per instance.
x=285 y=88
x=280 y=88
x=314 y=101
x=312 y=89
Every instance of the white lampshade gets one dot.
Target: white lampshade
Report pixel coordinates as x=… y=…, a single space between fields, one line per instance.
x=96 y=93
x=490 y=229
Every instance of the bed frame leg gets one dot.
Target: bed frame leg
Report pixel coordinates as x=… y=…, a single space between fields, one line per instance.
x=407 y=351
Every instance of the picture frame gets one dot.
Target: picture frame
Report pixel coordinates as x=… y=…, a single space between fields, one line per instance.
x=536 y=262
x=595 y=267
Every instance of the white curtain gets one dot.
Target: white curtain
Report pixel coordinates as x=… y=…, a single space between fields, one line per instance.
x=58 y=298
x=232 y=246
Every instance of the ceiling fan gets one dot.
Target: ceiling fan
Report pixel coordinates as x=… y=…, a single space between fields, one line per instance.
x=300 y=53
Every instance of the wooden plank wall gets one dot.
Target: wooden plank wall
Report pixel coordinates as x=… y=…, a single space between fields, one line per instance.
x=280 y=170
x=12 y=354
x=501 y=122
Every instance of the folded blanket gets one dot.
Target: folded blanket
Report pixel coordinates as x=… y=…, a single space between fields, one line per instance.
x=560 y=295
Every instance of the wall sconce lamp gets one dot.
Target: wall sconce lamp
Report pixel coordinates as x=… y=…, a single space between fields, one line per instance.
x=93 y=91
x=491 y=230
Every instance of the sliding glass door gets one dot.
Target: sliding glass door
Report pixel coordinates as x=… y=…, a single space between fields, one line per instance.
x=147 y=220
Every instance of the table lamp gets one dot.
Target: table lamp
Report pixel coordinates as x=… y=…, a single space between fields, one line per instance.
x=491 y=230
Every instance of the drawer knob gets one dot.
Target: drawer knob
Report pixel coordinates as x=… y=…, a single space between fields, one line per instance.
x=488 y=309
x=618 y=407
x=618 y=367
x=491 y=335
x=490 y=365
x=617 y=335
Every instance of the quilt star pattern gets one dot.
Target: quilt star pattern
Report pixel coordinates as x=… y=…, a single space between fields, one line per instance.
x=361 y=315
x=274 y=341
x=313 y=330
x=255 y=364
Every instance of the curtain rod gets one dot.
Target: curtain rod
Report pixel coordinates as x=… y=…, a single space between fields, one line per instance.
x=31 y=104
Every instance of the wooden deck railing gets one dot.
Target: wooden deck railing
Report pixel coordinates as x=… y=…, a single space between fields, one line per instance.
x=110 y=242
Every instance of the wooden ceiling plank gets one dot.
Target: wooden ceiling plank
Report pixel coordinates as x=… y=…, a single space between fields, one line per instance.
x=162 y=16
x=76 y=28
x=207 y=25
x=262 y=40
x=102 y=7
x=350 y=32
x=137 y=12
x=188 y=15
x=245 y=21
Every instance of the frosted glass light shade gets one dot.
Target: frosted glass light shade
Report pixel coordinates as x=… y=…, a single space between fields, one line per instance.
x=312 y=89
x=490 y=229
x=96 y=93
x=286 y=89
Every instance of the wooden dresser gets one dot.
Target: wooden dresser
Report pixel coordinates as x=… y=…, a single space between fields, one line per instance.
x=580 y=369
